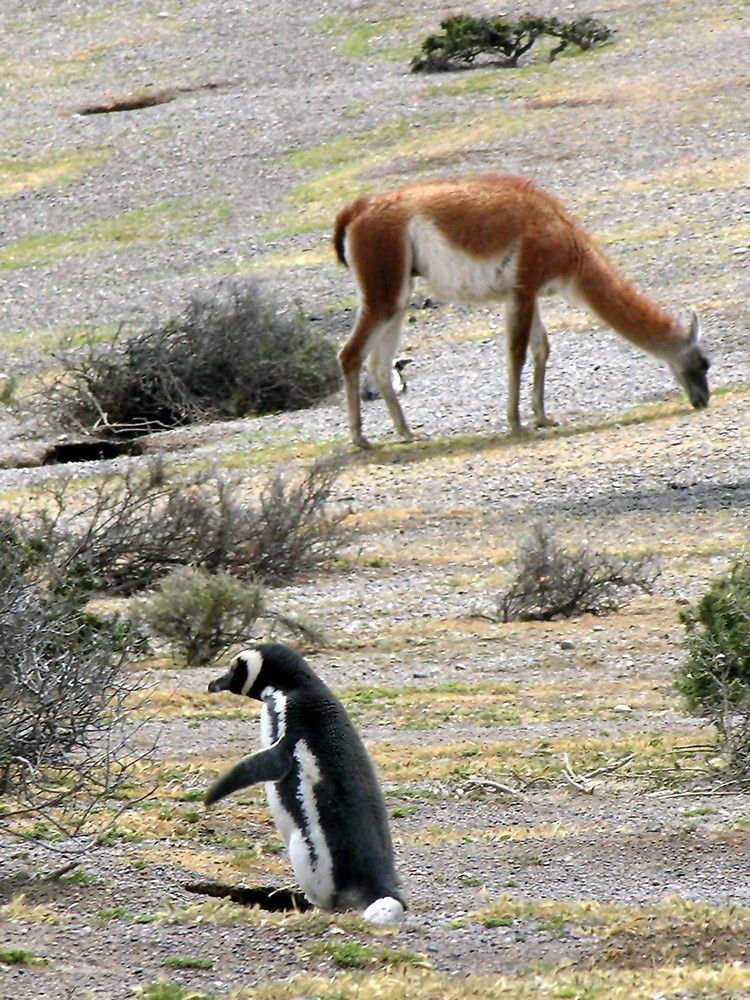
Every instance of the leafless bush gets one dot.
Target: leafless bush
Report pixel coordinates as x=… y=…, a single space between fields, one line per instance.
x=66 y=738
x=232 y=353
x=294 y=533
x=129 y=530
x=553 y=583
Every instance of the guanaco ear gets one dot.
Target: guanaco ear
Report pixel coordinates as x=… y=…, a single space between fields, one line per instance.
x=695 y=327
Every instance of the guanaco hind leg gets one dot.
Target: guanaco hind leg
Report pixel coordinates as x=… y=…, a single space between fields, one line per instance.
x=539 y=342
x=519 y=318
x=379 y=339
x=385 y=348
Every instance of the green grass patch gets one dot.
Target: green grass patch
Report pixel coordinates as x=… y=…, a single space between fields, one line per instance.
x=187 y=962
x=19 y=175
x=356 y=955
x=358 y=38
x=125 y=231
x=121 y=913
x=16 y=956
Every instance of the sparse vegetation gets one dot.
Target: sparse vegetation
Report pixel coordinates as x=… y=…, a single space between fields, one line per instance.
x=234 y=352
x=133 y=528
x=502 y=41
x=551 y=582
x=467 y=719
x=201 y=614
x=714 y=678
x=64 y=722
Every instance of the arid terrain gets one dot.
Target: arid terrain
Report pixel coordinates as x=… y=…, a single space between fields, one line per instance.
x=560 y=823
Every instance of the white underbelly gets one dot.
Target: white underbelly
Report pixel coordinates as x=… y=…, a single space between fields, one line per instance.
x=457 y=276
x=306 y=845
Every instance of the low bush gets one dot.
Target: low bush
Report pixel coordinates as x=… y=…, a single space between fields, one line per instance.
x=464 y=39
x=201 y=614
x=551 y=582
x=232 y=353
x=130 y=529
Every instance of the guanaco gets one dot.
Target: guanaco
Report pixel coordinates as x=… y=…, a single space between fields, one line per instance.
x=496 y=237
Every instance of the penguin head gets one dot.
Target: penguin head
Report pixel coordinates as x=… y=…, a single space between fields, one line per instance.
x=242 y=674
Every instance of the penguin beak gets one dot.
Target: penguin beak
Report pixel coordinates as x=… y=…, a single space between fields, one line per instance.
x=221 y=683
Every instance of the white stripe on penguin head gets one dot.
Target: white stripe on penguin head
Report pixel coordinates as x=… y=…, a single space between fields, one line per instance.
x=253 y=662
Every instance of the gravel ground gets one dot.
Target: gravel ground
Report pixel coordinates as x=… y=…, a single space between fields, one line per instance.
x=652 y=151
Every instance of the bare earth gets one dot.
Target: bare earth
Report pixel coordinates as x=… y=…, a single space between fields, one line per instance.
x=468 y=720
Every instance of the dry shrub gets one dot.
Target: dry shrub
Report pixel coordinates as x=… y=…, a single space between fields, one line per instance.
x=130 y=529
x=66 y=741
x=551 y=582
x=232 y=353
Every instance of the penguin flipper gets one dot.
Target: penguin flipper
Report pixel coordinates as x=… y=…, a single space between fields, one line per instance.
x=268 y=765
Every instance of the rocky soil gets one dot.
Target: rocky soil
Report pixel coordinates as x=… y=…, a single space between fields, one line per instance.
x=647 y=141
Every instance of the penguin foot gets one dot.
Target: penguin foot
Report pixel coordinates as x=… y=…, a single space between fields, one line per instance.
x=384 y=911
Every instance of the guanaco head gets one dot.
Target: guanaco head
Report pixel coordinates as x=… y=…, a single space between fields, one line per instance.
x=691 y=366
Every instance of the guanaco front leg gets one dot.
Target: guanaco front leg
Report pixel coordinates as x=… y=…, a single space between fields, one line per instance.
x=519 y=316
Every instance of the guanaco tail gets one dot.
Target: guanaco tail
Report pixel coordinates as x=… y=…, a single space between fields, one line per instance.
x=491 y=238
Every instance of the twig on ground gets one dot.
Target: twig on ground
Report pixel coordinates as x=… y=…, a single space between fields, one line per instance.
x=583 y=782
x=496 y=785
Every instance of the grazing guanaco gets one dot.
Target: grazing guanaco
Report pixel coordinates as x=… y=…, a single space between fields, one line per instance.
x=497 y=237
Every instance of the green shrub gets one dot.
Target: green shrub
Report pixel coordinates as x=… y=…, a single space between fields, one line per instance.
x=232 y=353
x=465 y=38
x=714 y=678
x=200 y=613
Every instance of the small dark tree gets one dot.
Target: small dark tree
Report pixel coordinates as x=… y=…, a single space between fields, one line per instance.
x=553 y=583
x=464 y=39
x=714 y=678
x=232 y=353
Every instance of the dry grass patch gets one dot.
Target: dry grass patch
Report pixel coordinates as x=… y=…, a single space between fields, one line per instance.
x=529 y=984
x=33 y=175
x=167 y=703
x=659 y=759
x=18 y=909
x=493 y=705
x=666 y=934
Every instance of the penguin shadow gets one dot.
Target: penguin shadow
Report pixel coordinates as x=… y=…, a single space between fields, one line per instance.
x=266 y=898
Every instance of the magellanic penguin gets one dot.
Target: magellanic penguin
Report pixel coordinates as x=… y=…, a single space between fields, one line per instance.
x=321 y=785
x=369 y=389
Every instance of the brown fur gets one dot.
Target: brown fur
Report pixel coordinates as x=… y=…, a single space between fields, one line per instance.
x=491 y=238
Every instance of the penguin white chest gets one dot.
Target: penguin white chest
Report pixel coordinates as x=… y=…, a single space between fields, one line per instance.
x=298 y=823
x=308 y=847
